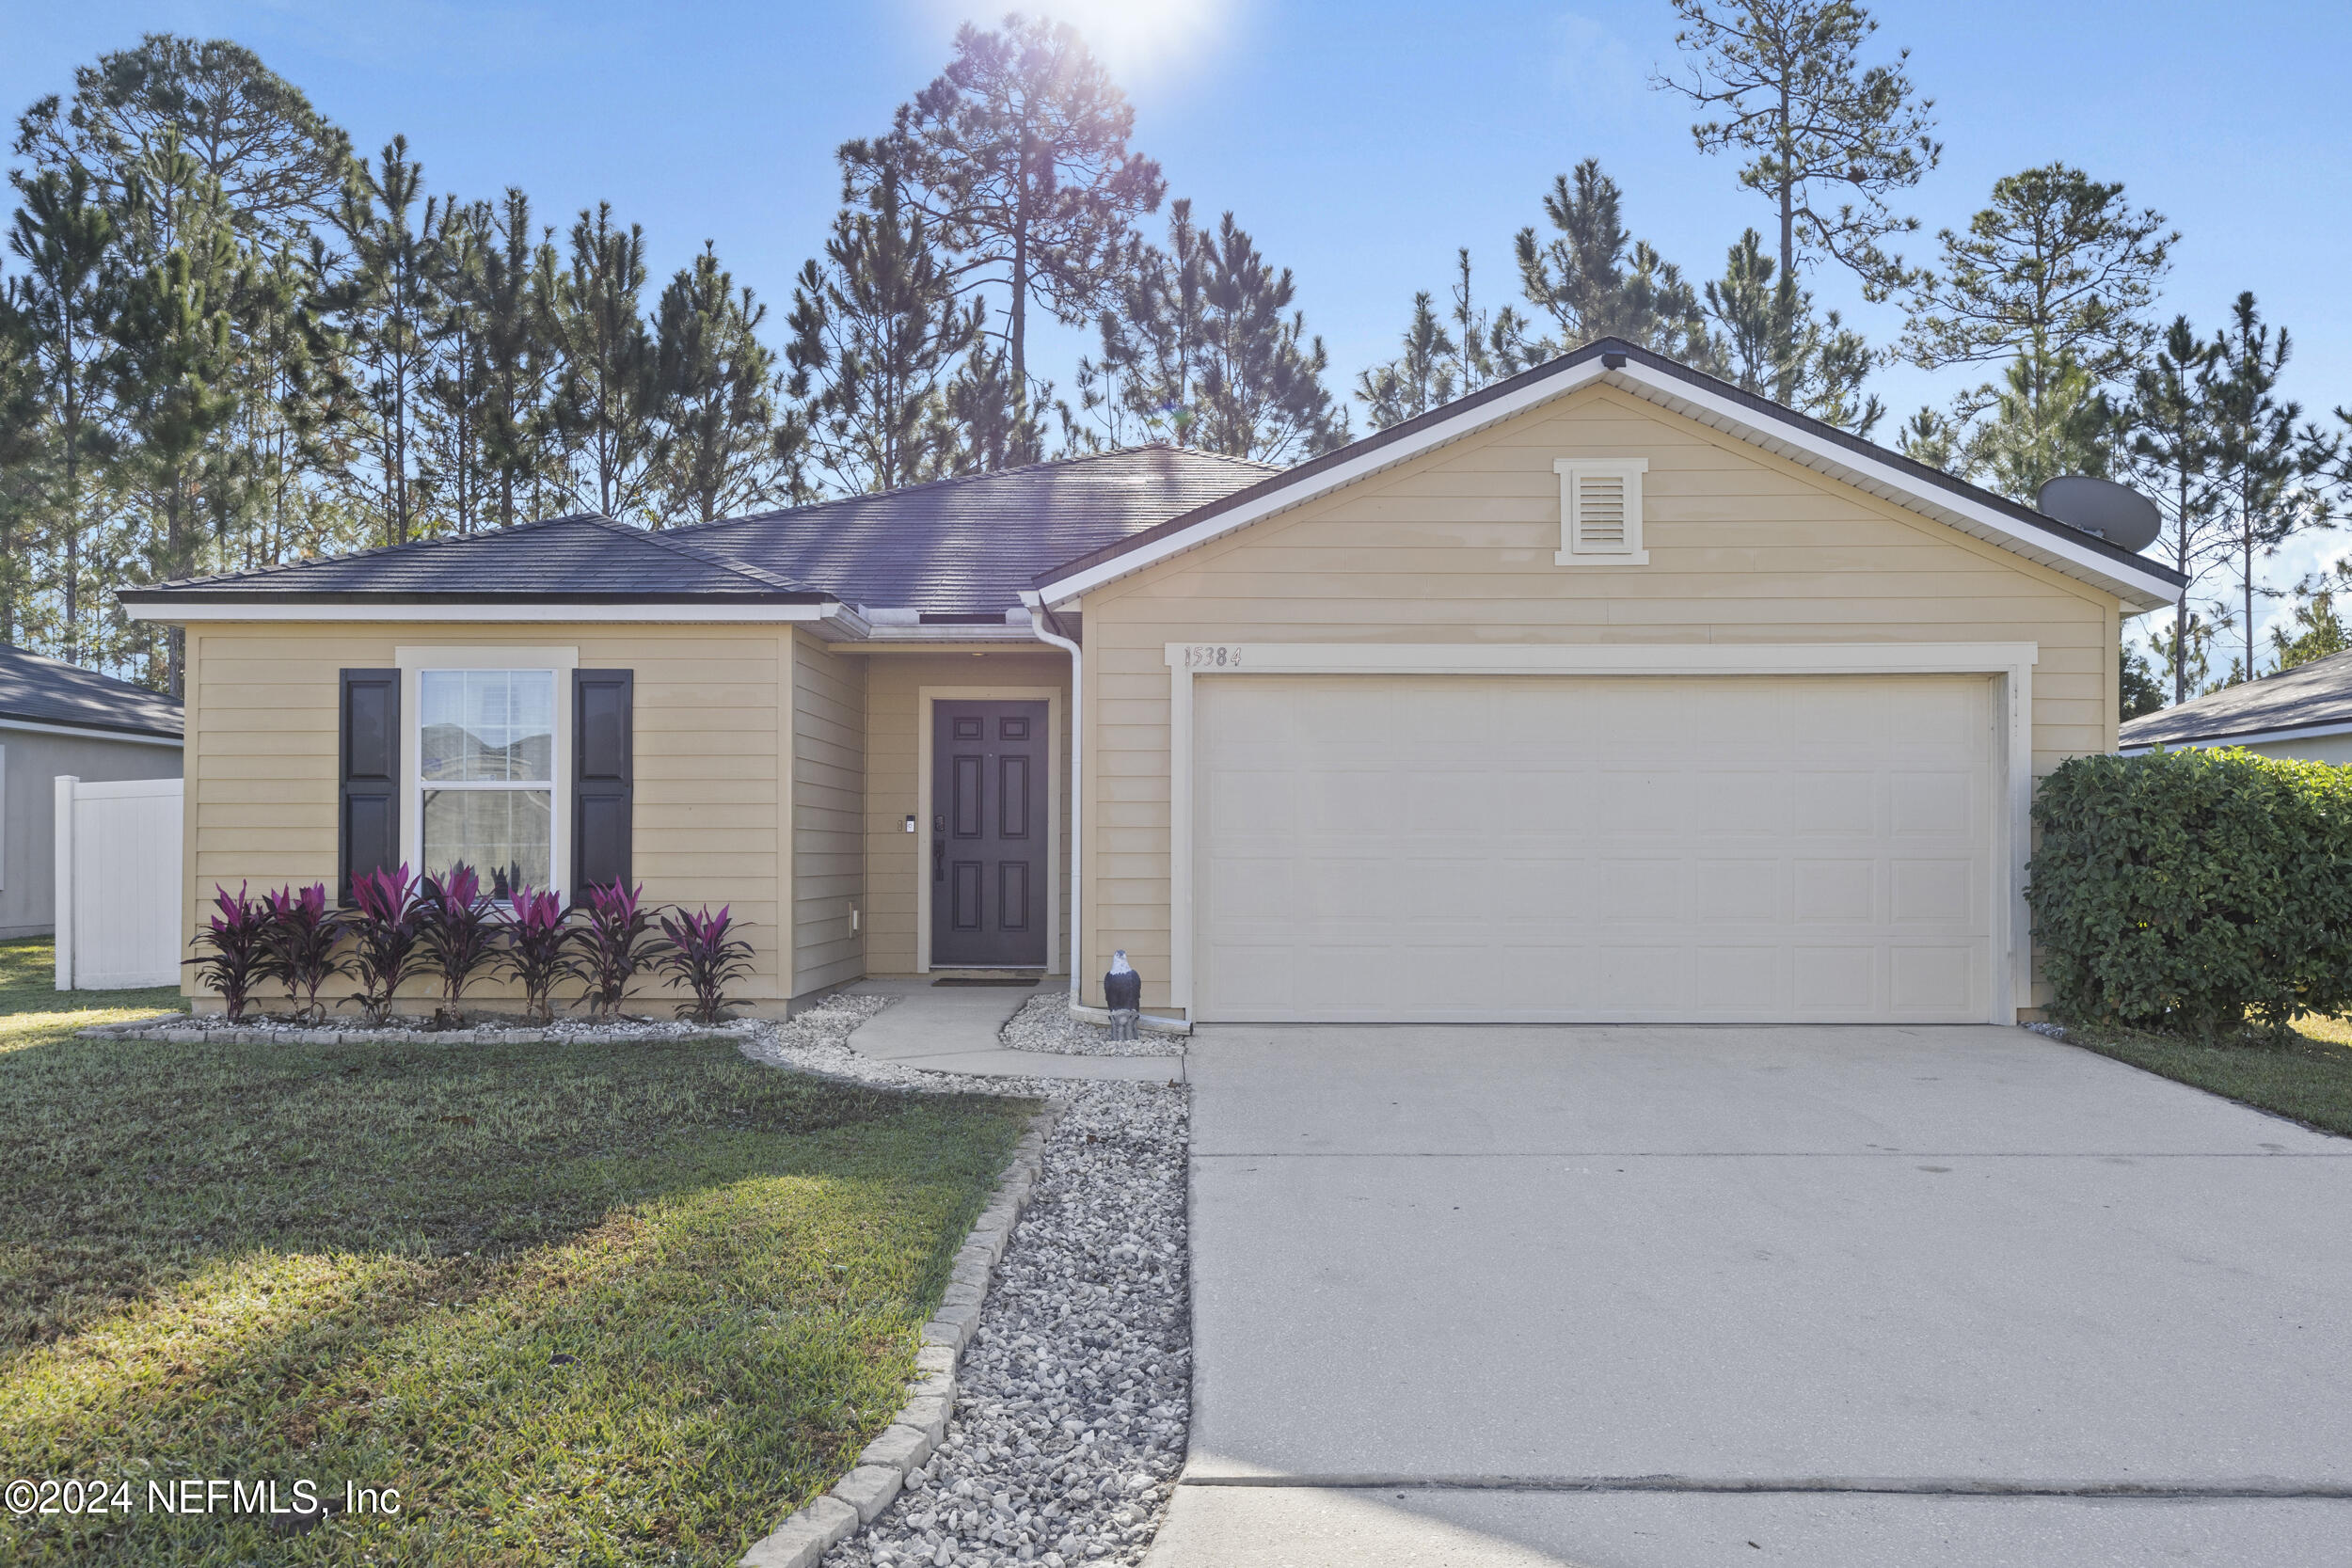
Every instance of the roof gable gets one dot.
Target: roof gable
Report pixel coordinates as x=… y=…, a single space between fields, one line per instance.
x=2138 y=581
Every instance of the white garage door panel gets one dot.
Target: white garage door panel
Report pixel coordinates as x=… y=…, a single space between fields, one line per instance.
x=1607 y=849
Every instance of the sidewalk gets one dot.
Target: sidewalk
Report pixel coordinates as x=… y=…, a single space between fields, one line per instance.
x=954 y=1029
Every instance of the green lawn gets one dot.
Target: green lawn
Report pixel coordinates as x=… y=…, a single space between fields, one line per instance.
x=2310 y=1079
x=579 y=1304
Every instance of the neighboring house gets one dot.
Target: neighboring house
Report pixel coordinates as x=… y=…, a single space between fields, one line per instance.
x=2303 y=712
x=1607 y=692
x=58 y=719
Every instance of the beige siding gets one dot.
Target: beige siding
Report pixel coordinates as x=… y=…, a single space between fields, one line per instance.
x=712 y=710
x=1457 y=547
x=828 y=815
x=894 y=716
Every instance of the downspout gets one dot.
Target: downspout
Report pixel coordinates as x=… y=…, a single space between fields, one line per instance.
x=1039 y=618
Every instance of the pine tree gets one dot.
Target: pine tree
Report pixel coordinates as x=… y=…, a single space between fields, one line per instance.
x=876 y=331
x=68 y=298
x=1016 y=159
x=2185 y=652
x=2260 y=461
x=1204 y=355
x=2137 y=692
x=717 y=389
x=1145 y=386
x=2059 y=270
x=2047 y=419
x=1597 y=281
x=1769 y=342
x=279 y=164
x=1418 y=380
x=2319 y=630
x=457 y=387
x=2172 y=454
x=1828 y=139
x=174 y=381
x=518 y=286
x=22 y=433
x=382 y=310
x=608 y=395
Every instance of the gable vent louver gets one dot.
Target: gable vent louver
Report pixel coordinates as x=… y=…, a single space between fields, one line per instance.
x=1600 y=512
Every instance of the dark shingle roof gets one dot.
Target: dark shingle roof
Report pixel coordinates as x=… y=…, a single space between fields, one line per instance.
x=42 y=691
x=974 y=543
x=583 y=557
x=2309 y=696
x=966 y=545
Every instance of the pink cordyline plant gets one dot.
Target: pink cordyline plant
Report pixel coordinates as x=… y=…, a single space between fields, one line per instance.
x=384 y=938
x=613 y=948
x=457 y=928
x=699 y=953
x=300 y=943
x=538 y=948
x=234 y=952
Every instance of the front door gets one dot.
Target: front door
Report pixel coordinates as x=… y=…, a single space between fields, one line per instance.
x=988 y=836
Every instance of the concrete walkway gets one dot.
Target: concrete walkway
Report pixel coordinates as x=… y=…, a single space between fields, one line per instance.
x=1646 y=1298
x=955 y=1029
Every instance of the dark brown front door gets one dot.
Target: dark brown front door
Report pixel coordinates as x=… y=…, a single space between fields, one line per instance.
x=988 y=836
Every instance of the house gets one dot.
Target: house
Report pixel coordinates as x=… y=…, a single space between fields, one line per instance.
x=2304 y=712
x=61 y=720
x=1606 y=693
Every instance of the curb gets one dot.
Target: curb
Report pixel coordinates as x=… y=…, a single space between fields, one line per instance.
x=920 y=1424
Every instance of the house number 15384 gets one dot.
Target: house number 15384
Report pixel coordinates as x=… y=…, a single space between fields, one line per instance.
x=1212 y=655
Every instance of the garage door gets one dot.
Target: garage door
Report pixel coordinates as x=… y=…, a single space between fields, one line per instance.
x=1594 y=848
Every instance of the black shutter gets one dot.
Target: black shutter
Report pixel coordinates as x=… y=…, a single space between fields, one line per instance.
x=368 y=808
x=604 y=777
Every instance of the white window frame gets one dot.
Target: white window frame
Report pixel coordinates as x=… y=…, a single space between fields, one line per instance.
x=559 y=663
x=1573 y=471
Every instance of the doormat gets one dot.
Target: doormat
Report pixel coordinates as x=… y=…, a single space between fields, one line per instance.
x=1022 y=980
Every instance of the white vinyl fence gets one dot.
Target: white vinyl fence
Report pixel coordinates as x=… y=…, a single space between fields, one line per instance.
x=118 y=883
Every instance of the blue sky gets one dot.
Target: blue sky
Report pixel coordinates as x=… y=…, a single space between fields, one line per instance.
x=1360 y=142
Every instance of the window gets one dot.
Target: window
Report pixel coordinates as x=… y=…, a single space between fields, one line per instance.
x=486 y=770
x=1600 y=512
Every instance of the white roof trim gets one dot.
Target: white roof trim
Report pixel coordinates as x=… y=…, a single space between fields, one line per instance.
x=183 y=612
x=2140 y=591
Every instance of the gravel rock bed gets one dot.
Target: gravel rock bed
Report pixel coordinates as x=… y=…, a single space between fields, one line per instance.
x=1073 y=1399
x=1044 y=1023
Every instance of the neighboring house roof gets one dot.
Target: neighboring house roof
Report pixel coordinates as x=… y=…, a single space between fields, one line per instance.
x=2142 y=583
x=38 y=690
x=574 y=558
x=965 y=547
x=971 y=545
x=2311 y=699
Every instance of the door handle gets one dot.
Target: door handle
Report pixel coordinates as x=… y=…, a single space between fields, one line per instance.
x=939 y=860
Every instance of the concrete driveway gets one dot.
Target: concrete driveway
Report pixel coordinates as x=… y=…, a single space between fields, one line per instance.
x=1824 y=1296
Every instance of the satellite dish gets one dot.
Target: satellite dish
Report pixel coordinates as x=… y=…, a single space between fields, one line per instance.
x=2116 y=513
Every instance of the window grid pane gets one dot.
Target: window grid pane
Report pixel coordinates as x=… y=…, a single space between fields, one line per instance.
x=486 y=726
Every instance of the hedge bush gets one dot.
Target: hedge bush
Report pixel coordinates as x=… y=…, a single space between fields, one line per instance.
x=2194 y=892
